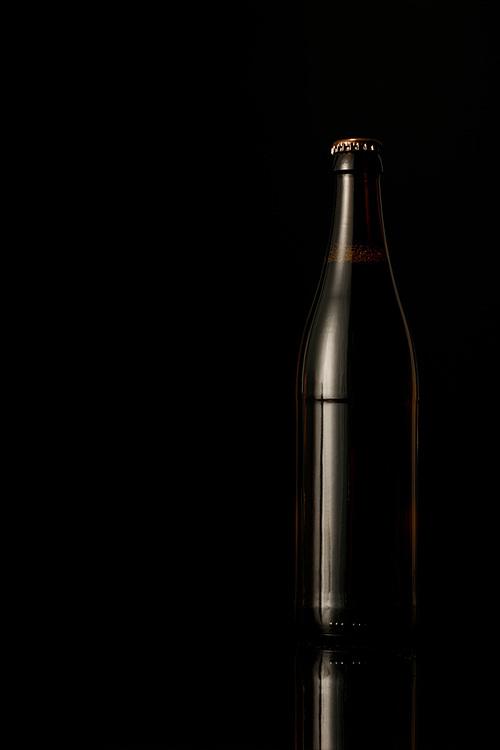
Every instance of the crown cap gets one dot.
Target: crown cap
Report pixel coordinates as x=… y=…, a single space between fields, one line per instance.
x=357 y=154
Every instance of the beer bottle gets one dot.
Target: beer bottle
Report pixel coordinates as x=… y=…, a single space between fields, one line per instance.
x=357 y=398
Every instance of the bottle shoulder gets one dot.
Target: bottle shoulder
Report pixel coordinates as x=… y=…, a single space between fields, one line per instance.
x=356 y=339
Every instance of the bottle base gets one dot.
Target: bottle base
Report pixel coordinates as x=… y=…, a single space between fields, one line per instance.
x=354 y=633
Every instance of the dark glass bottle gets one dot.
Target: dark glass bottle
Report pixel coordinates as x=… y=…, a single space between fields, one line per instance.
x=357 y=402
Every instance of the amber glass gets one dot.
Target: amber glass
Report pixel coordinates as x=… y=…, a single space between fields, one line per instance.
x=356 y=427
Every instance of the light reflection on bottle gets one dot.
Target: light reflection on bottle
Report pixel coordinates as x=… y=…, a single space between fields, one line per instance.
x=354 y=700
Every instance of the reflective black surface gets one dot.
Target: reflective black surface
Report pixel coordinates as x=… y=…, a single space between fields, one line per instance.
x=355 y=699
x=280 y=697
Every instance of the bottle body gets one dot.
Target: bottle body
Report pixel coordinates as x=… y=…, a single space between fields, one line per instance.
x=356 y=435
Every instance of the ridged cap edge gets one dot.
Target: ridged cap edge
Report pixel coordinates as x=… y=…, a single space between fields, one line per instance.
x=356 y=144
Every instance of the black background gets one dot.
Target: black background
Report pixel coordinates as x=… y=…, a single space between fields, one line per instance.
x=197 y=228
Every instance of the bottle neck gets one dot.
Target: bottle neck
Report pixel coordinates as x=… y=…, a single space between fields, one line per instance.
x=357 y=234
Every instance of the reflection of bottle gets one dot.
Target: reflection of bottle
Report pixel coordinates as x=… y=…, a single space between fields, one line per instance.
x=353 y=700
x=356 y=426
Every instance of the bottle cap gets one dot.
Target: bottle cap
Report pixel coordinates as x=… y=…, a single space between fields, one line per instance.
x=357 y=144
x=357 y=155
